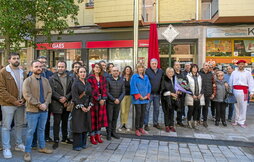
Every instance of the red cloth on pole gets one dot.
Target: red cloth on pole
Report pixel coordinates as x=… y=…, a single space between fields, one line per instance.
x=153 y=50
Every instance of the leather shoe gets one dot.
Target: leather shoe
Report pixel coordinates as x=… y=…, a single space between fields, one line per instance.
x=147 y=128
x=113 y=134
x=224 y=124
x=217 y=123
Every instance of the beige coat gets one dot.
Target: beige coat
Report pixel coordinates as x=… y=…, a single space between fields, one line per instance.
x=31 y=93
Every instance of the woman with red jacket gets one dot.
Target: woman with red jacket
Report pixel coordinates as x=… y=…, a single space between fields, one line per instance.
x=98 y=111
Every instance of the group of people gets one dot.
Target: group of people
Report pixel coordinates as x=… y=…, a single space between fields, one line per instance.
x=82 y=103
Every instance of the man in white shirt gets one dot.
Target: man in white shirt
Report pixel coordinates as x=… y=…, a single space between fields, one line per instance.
x=241 y=81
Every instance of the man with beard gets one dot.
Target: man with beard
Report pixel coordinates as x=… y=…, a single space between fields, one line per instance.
x=37 y=92
x=61 y=84
x=242 y=83
x=12 y=101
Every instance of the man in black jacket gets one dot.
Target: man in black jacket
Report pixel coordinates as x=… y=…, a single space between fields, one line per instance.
x=155 y=77
x=61 y=84
x=116 y=92
x=207 y=81
x=181 y=111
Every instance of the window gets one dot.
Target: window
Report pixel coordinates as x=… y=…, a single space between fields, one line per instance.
x=121 y=57
x=218 y=48
x=90 y=4
x=243 y=47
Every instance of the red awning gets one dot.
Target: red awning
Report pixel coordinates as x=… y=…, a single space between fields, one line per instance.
x=116 y=44
x=59 y=45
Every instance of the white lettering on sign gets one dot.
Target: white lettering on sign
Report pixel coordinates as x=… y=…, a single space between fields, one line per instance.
x=58 y=45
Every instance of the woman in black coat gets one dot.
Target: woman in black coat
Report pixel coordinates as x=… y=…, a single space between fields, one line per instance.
x=81 y=117
x=169 y=99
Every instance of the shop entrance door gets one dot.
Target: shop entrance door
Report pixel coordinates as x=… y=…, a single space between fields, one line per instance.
x=183 y=52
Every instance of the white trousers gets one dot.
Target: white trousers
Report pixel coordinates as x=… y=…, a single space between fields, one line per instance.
x=240 y=107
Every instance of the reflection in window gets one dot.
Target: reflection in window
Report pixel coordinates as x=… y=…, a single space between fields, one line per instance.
x=96 y=55
x=243 y=47
x=121 y=57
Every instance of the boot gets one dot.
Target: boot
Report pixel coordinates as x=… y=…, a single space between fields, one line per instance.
x=189 y=124
x=195 y=124
x=93 y=141
x=108 y=136
x=98 y=138
x=116 y=136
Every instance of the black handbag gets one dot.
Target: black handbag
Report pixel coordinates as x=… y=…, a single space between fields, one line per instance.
x=230 y=98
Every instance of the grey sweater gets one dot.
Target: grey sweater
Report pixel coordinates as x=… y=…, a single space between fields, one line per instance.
x=221 y=91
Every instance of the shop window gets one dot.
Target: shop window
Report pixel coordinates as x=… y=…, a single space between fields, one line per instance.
x=90 y=4
x=243 y=47
x=96 y=55
x=121 y=57
x=219 y=48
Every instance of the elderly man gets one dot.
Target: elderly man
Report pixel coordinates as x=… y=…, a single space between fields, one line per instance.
x=187 y=68
x=227 y=76
x=181 y=111
x=116 y=92
x=12 y=101
x=37 y=92
x=242 y=81
x=155 y=76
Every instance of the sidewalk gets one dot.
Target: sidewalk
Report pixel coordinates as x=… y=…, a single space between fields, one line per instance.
x=232 y=133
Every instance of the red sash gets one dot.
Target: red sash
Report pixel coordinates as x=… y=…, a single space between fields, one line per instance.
x=245 y=90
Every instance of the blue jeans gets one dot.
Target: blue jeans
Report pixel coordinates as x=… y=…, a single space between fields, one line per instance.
x=8 y=113
x=230 y=111
x=156 y=105
x=36 y=120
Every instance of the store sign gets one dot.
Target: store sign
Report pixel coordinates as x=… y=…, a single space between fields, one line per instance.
x=170 y=33
x=231 y=60
x=116 y=44
x=59 y=45
x=229 y=32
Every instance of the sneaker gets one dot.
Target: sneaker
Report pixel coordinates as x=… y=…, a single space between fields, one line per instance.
x=77 y=148
x=48 y=139
x=147 y=128
x=143 y=131
x=205 y=124
x=180 y=124
x=234 y=124
x=172 y=129
x=20 y=147
x=157 y=126
x=224 y=124
x=137 y=132
x=34 y=148
x=27 y=157
x=66 y=141
x=167 y=129
x=243 y=125
x=229 y=120
x=45 y=151
x=7 y=153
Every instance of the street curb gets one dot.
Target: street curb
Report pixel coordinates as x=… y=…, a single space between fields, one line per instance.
x=189 y=140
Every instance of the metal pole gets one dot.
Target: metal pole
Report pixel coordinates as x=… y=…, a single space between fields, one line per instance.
x=169 y=55
x=197 y=9
x=135 y=48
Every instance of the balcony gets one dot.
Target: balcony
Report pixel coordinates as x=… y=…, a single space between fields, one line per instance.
x=232 y=11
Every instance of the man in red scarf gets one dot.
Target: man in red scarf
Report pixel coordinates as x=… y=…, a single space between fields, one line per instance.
x=242 y=82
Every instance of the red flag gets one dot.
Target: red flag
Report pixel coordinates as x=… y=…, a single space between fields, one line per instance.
x=153 y=50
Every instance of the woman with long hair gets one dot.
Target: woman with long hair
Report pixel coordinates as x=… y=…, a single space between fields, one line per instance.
x=81 y=117
x=140 y=92
x=195 y=100
x=98 y=111
x=126 y=102
x=169 y=97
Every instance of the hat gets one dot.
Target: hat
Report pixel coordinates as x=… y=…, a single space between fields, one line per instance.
x=93 y=65
x=241 y=61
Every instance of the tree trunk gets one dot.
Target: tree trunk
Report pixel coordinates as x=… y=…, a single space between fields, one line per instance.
x=7 y=49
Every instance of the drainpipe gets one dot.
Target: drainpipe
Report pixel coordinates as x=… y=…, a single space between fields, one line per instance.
x=197 y=7
x=157 y=11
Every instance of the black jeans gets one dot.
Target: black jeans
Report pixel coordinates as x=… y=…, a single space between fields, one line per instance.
x=140 y=115
x=213 y=108
x=169 y=112
x=181 y=110
x=220 y=111
x=193 y=111
x=112 y=113
x=205 y=108
x=79 y=139
x=57 y=121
